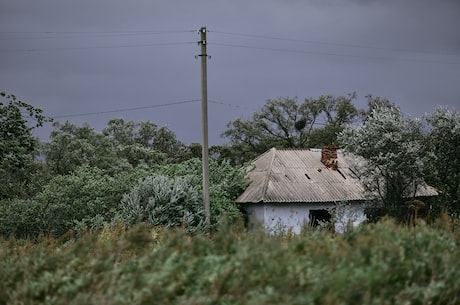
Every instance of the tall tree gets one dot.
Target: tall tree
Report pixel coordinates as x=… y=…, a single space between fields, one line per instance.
x=120 y=146
x=145 y=142
x=18 y=146
x=284 y=123
x=444 y=166
x=72 y=146
x=392 y=148
x=338 y=111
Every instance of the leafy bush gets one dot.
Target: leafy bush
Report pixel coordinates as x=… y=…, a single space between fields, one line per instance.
x=377 y=264
x=87 y=197
x=84 y=195
x=226 y=184
x=82 y=200
x=22 y=219
x=164 y=201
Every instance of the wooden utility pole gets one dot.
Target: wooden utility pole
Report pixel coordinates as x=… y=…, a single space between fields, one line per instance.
x=204 y=114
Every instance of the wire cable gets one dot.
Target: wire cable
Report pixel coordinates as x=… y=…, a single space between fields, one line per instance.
x=72 y=35
x=125 y=109
x=231 y=105
x=332 y=54
x=333 y=43
x=98 y=32
x=97 y=47
x=150 y=107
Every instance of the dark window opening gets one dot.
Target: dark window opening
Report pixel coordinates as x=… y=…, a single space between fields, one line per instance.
x=319 y=217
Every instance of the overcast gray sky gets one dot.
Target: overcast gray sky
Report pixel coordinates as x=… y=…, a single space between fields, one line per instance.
x=92 y=57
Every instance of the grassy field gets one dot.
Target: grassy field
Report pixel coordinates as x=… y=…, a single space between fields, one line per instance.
x=375 y=264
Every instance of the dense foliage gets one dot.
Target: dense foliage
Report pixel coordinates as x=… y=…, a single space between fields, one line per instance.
x=393 y=157
x=81 y=200
x=163 y=201
x=120 y=146
x=443 y=170
x=284 y=123
x=373 y=264
x=227 y=182
x=86 y=198
x=18 y=146
x=401 y=155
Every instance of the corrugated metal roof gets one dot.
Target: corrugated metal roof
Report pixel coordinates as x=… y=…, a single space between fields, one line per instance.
x=298 y=175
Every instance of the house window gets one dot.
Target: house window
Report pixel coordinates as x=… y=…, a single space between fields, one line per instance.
x=319 y=217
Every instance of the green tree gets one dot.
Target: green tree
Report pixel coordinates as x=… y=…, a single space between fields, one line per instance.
x=324 y=136
x=144 y=142
x=338 y=111
x=73 y=146
x=443 y=170
x=80 y=200
x=284 y=123
x=281 y=123
x=374 y=102
x=121 y=146
x=392 y=148
x=18 y=146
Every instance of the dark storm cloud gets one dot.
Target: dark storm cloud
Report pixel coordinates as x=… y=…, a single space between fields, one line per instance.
x=407 y=51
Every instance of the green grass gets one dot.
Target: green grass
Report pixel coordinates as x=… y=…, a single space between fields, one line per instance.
x=374 y=264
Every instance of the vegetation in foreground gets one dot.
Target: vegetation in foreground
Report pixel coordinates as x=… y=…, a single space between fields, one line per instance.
x=380 y=263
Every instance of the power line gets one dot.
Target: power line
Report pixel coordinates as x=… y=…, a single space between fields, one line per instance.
x=231 y=105
x=98 y=32
x=148 y=107
x=78 y=34
x=334 y=43
x=126 y=109
x=85 y=34
x=333 y=54
x=97 y=47
x=137 y=33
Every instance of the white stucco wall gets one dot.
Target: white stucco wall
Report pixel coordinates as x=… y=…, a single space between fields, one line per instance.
x=348 y=215
x=277 y=218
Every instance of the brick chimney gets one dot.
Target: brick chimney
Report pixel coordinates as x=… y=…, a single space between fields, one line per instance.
x=329 y=156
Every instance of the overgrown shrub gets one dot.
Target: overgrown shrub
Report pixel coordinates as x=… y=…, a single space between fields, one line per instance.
x=85 y=195
x=376 y=264
x=82 y=200
x=22 y=219
x=226 y=183
x=86 y=198
x=164 y=201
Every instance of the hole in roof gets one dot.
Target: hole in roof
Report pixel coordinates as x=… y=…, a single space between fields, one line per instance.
x=338 y=170
x=353 y=172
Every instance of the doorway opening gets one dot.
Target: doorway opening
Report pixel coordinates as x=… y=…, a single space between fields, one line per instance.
x=319 y=218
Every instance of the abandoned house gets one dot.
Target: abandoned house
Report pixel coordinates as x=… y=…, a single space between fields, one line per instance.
x=292 y=188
